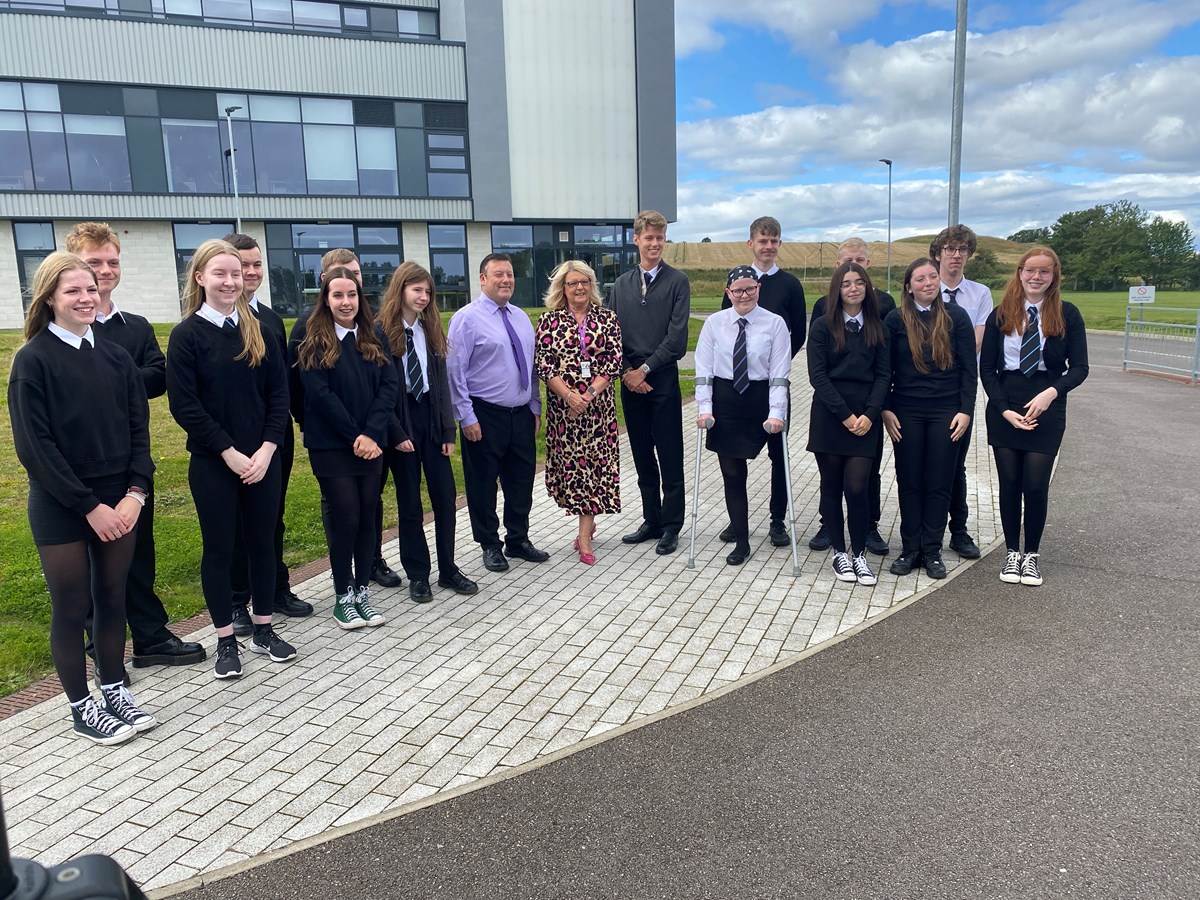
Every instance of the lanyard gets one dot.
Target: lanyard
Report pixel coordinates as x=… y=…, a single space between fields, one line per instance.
x=582 y=329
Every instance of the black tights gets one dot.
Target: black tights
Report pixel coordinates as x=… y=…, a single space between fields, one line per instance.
x=1024 y=476
x=81 y=575
x=733 y=473
x=352 y=502
x=848 y=476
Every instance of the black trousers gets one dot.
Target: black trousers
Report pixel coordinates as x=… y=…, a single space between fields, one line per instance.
x=240 y=573
x=221 y=502
x=959 y=512
x=925 y=459
x=654 y=426
x=439 y=478
x=506 y=453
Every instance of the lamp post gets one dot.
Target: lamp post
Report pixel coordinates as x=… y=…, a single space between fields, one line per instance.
x=237 y=201
x=956 y=111
x=888 y=163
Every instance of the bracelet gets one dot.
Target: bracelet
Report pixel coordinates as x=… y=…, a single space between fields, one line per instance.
x=140 y=498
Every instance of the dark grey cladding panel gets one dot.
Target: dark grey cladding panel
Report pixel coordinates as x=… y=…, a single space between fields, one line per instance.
x=487 y=98
x=654 y=31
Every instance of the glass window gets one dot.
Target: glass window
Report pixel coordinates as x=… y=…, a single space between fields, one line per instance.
x=330 y=159
x=447 y=185
x=371 y=236
x=193 y=155
x=427 y=23
x=323 y=237
x=227 y=10
x=377 y=162
x=454 y=236
x=278 y=165
x=407 y=21
x=189 y=236
x=410 y=162
x=243 y=156
x=449 y=270
x=410 y=115
x=437 y=161
x=34 y=235
x=377 y=268
x=506 y=236
x=273 y=12
x=42 y=97
x=174 y=103
x=597 y=235
x=383 y=20
x=91 y=99
x=324 y=16
x=265 y=108
x=16 y=172
x=97 y=152
x=447 y=142
x=354 y=16
x=49 y=152
x=331 y=112
x=138 y=8
x=147 y=158
x=190 y=8
x=10 y=95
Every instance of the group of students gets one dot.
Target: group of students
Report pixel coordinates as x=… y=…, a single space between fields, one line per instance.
x=375 y=397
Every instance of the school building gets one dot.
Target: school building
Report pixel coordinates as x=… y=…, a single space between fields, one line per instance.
x=431 y=130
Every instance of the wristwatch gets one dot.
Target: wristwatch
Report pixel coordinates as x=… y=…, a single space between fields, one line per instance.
x=591 y=390
x=645 y=369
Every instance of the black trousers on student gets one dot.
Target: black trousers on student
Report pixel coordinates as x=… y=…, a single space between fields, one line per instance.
x=959 y=512
x=240 y=573
x=221 y=502
x=506 y=453
x=439 y=478
x=654 y=426
x=925 y=459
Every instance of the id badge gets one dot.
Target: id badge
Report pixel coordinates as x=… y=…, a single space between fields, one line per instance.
x=585 y=369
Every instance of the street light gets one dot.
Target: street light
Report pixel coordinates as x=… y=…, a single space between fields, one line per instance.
x=232 y=153
x=956 y=111
x=888 y=163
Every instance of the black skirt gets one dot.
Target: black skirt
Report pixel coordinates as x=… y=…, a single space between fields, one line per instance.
x=739 y=432
x=53 y=523
x=1018 y=390
x=343 y=464
x=827 y=434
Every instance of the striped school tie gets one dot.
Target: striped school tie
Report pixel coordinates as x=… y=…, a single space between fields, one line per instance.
x=412 y=365
x=741 y=364
x=1031 y=345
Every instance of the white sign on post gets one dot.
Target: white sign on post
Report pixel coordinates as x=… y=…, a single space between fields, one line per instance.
x=1142 y=293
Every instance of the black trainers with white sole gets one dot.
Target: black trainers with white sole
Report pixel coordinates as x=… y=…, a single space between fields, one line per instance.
x=1010 y=572
x=228 y=664
x=266 y=641
x=98 y=725
x=119 y=703
x=843 y=568
x=1031 y=572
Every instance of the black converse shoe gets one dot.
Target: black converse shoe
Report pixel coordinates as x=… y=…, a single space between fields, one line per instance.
x=95 y=723
x=228 y=665
x=1010 y=572
x=119 y=703
x=842 y=567
x=266 y=641
x=1031 y=573
x=862 y=570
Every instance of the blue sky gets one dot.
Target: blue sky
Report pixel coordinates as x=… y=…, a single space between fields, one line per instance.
x=785 y=106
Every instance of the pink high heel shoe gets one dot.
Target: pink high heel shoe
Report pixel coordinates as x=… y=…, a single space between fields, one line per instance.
x=586 y=557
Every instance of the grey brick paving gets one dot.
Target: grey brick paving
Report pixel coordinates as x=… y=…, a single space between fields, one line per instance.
x=363 y=722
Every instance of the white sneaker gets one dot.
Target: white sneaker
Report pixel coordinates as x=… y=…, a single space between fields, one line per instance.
x=1031 y=574
x=862 y=570
x=1010 y=572
x=842 y=567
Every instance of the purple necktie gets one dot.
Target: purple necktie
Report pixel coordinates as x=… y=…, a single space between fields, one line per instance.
x=518 y=353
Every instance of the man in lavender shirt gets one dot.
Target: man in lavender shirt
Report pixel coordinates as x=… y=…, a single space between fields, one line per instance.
x=499 y=407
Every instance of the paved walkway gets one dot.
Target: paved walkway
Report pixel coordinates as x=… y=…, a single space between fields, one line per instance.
x=466 y=688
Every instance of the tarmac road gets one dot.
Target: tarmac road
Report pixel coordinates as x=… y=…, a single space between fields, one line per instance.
x=989 y=741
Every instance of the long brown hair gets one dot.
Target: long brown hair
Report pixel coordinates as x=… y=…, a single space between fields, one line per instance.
x=872 y=325
x=936 y=336
x=254 y=348
x=391 y=312
x=45 y=283
x=1011 y=317
x=320 y=348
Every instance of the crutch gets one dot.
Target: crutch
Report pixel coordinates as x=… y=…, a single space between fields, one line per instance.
x=787 y=474
x=708 y=423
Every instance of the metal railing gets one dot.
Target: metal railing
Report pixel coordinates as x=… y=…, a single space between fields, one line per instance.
x=1151 y=343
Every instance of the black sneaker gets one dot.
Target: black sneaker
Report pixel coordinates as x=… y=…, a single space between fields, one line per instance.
x=876 y=544
x=843 y=568
x=821 y=540
x=778 y=535
x=119 y=704
x=964 y=545
x=934 y=567
x=242 y=625
x=288 y=604
x=1031 y=572
x=728 y=535
x=862 y=570
x=97 y=724
x=228 y=664
x=266 y=641
x=383 y=576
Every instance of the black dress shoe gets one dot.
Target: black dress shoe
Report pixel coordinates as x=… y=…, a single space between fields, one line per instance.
x=493 y=560
x=964 y=545
x=876 y=544
x=171 y=652
x=934 y=567
x=820 y=540
x=905 y=562
x=418 y=590
x=738 y=556
x=242 y=626
x=459 y=583
x=778 y=535
x=728 y=535
x=645 y=532
x=288 y=604
x=668 y=543
x=383 y=576
x=526 y=551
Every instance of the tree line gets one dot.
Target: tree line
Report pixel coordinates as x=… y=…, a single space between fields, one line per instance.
x=1114 y=245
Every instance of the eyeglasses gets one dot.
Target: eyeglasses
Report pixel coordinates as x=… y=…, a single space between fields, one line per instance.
x=956 y=251
x=743 y=292
x=575 y=285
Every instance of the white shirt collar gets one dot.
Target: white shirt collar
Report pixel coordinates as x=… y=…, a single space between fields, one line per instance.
x=68 y=337
x=254 y=303
x=212 y=315
x=653 y=273
x=847 y=317
x=342 y=332
x=116 y=311
x=771 y=271
x=921 y=308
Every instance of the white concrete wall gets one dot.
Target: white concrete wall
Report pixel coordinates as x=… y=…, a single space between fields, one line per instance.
x=479 y=245
x=414 y=238
x=12 y=315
